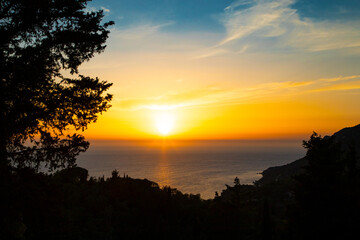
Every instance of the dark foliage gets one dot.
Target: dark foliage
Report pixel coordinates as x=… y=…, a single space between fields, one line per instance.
x=328 y=193
x=321 y=203
x=68 y=205
x=41 y=43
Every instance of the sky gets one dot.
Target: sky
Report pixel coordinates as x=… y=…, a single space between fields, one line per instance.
x=221 y=69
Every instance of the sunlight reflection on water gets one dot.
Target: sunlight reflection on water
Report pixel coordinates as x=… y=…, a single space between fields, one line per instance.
x=191 y=166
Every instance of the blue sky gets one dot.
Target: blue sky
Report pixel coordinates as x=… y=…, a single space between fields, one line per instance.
x=328 y=9
x=185 y=15
x=244 y=25
x=207 y=14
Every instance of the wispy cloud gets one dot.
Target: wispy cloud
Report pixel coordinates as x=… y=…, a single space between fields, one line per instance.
x=210 y=96
x=216 y=51
x=105 y=9
x=149 y=37
x=211 y=52
x=264 y=15
x=238 y=3
x=190 y=98
x=304 y=87
x=338 y=84
x=243 y=49
x=140 y=31
x=275 y=24
x=340 y=87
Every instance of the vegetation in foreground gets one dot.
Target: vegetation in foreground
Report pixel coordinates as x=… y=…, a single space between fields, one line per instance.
x=321 y=202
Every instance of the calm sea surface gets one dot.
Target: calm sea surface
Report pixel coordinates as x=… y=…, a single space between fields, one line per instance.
x=190 y=166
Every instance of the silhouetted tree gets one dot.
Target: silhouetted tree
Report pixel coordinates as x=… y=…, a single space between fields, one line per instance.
x=42 y=95
x=237 y=181
x=327 y=194
x=115 y=174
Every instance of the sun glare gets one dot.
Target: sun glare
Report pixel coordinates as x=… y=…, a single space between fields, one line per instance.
x=164 y=123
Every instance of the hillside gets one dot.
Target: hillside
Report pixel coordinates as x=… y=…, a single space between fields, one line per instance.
x=349 y=139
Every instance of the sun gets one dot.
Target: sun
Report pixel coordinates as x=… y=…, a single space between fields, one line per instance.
x=164 y=122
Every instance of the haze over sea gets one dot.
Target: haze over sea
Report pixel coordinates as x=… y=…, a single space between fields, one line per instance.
x=201 y=166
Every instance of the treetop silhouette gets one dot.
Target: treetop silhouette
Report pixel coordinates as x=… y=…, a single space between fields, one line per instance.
x=41 y=42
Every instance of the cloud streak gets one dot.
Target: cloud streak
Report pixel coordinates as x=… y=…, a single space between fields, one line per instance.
x=264 y=15
x=105 y=9
x=213 y=96
x=274 y=25
x=173 y=100
x=211 y=53
x=140 y=31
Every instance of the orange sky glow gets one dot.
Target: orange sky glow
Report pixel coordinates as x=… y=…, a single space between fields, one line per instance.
x=281 y=78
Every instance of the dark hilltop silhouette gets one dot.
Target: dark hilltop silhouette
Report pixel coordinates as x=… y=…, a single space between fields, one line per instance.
x=316 y=200
x=348 y=138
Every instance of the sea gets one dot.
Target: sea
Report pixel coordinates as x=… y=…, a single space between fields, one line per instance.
x=191 y=166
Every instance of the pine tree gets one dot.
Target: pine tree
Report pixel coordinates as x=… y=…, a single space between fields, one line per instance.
x=43 y=98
